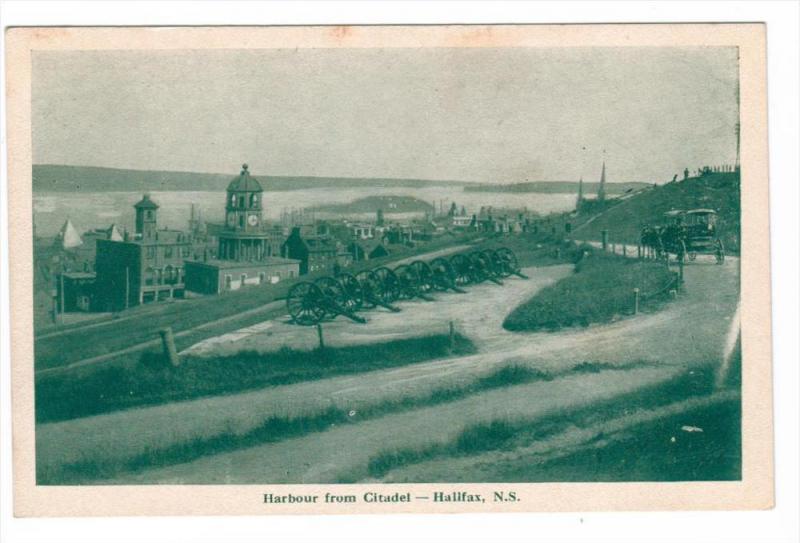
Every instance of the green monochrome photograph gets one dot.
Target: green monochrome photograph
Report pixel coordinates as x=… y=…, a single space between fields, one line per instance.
x=339 y=258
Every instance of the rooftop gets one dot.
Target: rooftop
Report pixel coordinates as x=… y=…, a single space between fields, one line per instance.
x=244 y=183
x=233 y=264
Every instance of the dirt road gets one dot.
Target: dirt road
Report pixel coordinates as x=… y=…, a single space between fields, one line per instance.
x=690 y=331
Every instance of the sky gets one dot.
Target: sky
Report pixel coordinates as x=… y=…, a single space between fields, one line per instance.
x=493 y=115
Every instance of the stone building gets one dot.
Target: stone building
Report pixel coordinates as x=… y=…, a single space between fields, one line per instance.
x=218 y=276
x=145 y=268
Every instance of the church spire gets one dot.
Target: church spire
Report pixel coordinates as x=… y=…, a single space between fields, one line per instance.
x=601 y=191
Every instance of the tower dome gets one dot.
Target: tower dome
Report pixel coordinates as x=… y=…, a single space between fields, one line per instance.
x=244 y=182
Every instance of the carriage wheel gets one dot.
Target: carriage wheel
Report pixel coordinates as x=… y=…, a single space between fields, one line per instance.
x=462 y=269
x=409 y=282
x=354 y=294
x=390 y=285
x=443 y=274
x=508 y=261
x=370 y=288
x=424 y=275
x=332 y=291
x=304 y=303
x=480 y=267
x=720 y=253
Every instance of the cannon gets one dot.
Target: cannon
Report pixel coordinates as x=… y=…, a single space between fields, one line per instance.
x=309 y=303
x=462 y=270
x=411 y=285
x=444 y=276
x=483 y=268
x=424 y=276
x=506 y=262
x=373 y=292
x=389 y=284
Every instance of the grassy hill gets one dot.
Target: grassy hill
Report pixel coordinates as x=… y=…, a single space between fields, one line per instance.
x=555 y=187
x=624 y=220
x=59 y=178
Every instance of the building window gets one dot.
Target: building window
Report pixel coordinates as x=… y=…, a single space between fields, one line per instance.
x=228 y=281
x=149 y=276
x=241 y=201
x=291 y=273
x=241 y=221
x=262 y=278
x=185 y=252
x=243 y=278
x=167 y=252
x=151 y=252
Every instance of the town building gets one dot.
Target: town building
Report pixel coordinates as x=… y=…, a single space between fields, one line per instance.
x=245 y=237
x=75 y=291
x=143 y=268
x=218 y=276
x=316 y=254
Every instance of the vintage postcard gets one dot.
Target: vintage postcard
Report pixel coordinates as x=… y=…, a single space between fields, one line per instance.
x=271 y=270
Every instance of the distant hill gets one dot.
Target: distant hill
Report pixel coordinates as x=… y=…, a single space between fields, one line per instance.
x=556 y=187
x=624 y=220
x=371 y=204
x=58 y=178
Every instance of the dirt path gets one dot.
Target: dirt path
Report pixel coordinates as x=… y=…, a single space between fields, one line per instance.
x=342 y=453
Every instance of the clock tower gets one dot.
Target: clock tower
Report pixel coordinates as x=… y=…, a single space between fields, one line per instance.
x=245 y=236
x=243 y=211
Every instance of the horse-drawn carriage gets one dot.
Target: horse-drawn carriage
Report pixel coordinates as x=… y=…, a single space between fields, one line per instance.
x=685 y=234
x=328 y=297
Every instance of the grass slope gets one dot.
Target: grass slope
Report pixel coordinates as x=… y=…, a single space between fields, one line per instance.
x=624 y=221
x=600 y=290
x=153 y=381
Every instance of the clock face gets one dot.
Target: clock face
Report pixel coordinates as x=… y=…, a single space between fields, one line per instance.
x=252 y=220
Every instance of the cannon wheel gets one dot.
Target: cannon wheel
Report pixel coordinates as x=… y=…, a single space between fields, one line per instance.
x=408 y=281
x=720 y=252
x=494 y=263
x=370 y=288
x=462 y=269
x=508 y=261
x=304 y=303
x=390 y=285
x=480 y=267
x=354 y=294
x=443 y=274
x=331 y=291
x=424 y=275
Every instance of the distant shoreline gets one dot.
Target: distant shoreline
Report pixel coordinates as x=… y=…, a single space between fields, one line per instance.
x=52 y=178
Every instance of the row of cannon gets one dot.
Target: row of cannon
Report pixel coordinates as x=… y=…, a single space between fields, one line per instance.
x=346 y=294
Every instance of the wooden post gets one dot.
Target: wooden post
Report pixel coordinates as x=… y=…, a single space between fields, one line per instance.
x=639 y=251
x=614 y=248
x=604 y=235
x=452 y=336
x=168 y=345
x=680 y=272
x=127 y=287
x=636 y=301
x=61 y=281
x=624 y=250
x=320 y=336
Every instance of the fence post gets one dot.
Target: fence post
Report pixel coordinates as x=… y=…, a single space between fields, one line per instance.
x=320 y=336
x=639 y=251
x=452 y=336
x=636 y=301
x=604 y=235
x=624 y=250
x=680 y=272
x=613 y=248
x=168 y=345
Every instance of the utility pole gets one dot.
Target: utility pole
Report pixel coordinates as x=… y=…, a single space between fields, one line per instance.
x=61 y=281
